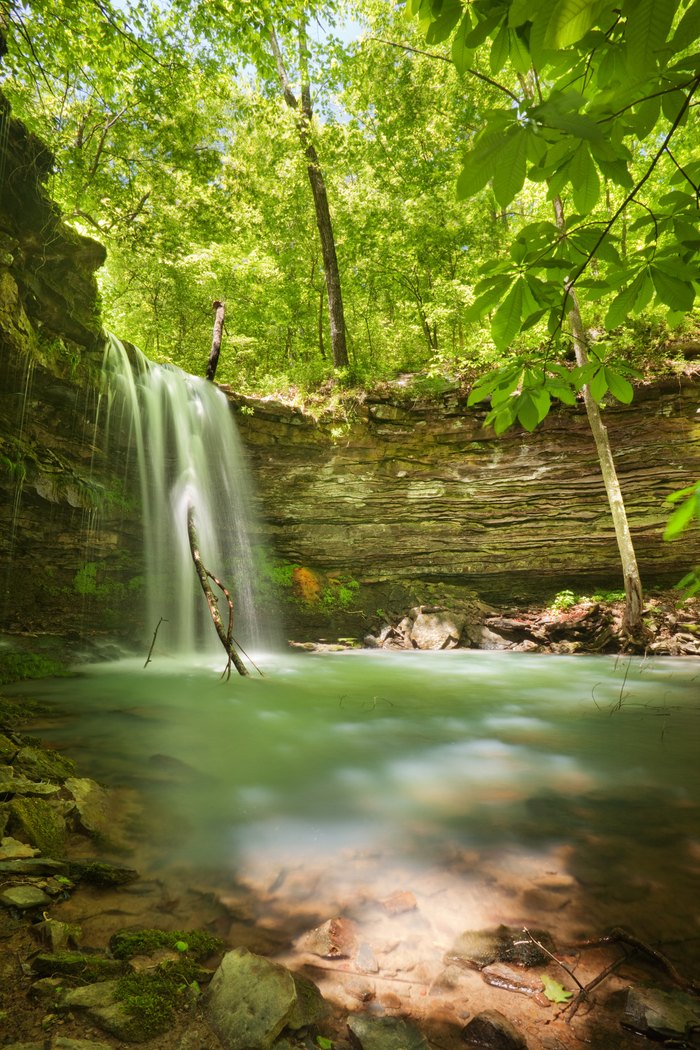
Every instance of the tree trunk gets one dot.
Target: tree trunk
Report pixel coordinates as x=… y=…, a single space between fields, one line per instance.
x=217 y=334
x=303 y=116
x=632 y=622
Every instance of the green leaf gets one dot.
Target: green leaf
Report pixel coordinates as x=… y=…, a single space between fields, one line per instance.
x=509 y=176
x=484 y=28
x=441 y=28
x=461 y=51
x=598 y=385
x=323 y=1043
x=519 y=54
x=527 y=413
x=569 y=21
x=561 y=391
x=498 y=55
x=684 y=515
x=622 y=305
x=555 y=992
x=618 y=386
x=481 y=163
x=688 y=29
x=584 y=180
x=673 y=292
x=506 y=321
x=648 y=25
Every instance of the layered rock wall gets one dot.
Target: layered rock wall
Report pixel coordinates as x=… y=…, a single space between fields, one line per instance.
x=68 y=552
x=413 y=498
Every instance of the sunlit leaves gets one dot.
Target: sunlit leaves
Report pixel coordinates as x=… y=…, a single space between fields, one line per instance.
x=687 y=511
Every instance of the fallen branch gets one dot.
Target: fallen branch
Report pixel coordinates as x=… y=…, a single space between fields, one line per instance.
x=618 y=935
x=155 y=635
x=225 y=636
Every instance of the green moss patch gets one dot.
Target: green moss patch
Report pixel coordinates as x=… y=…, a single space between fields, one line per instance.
x=193 y=944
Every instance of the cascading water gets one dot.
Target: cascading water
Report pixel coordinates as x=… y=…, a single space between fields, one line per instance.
x=182 y=437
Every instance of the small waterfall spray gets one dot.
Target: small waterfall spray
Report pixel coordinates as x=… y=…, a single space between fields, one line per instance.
x=187 y=451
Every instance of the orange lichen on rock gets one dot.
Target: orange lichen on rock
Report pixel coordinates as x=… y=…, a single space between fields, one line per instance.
x=306 y=585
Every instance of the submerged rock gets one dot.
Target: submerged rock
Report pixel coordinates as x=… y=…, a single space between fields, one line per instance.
x=385 y=1033
x=506 y=944
x=492 y=1031
x=662 y=1015
x=335 y=939
x=100 y=874
x=251 y=1000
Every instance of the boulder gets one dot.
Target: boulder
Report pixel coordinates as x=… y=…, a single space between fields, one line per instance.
x=251 y=1000
x=92 y=804
x=385 y=1033
x=437 y=630
x=102 y=1007
x=41 y=822
x=662 y=1015
x=24 y=897
x=492 y=1031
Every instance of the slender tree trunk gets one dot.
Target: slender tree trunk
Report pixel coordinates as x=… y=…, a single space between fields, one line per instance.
x=219 y=309
x=303 y=116
x=632 y=622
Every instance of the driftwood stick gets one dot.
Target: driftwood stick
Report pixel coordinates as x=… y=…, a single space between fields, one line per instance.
x=618 y=935
x=219 y=310
x=155 y=635
x=225 y=635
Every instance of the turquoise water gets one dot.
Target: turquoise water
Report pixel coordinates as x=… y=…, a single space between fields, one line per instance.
x=502 y=773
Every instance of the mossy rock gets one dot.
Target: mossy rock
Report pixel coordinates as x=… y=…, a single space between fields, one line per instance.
x=98 y=873
x=88 y=967
x=43 y=764
x=8 y=748
x=40 y=822
x=195 y=944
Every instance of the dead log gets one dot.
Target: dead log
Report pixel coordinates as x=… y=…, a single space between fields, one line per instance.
x=225 y=635
x=217 y=334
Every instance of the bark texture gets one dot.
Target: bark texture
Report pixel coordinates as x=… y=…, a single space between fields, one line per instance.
x=303 y=115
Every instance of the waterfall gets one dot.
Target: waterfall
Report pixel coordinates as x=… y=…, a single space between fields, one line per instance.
x=183 y=441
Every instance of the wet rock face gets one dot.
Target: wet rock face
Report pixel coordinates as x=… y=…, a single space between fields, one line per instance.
x=417 y=498
x=52 y=484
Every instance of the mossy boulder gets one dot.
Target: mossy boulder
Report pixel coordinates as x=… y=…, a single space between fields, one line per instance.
x=40 y=822
x=43 y=764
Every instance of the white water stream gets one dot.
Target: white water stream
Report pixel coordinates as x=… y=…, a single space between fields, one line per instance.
x=186 y=449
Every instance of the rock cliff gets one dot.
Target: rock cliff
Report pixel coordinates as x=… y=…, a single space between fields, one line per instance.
x=413 y=499
x=65 y=564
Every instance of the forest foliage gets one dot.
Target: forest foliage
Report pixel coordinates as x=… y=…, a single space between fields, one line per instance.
x=444 y=129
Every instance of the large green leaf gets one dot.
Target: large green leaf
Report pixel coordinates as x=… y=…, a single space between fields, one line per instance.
x=462 y=52
x=598 y=385
x=500 y=47
x=481 y=163
x=584 y=180
x=672 y=291
x=527 y=411
x=441 y=28
x=688 y=29
x=509 y=175
x=618 y=386
x=648 y=25
x=506 y=321
x=569 y=21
